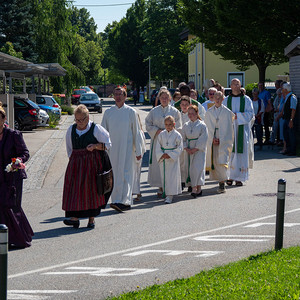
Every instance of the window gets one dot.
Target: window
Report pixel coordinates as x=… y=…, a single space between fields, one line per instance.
x=239 y=75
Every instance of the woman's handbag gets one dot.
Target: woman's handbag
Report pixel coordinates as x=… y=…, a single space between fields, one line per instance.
x=104 y=182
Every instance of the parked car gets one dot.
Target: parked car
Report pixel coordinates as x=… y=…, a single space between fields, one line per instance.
x=87 y=89
x=48 y=104
x=76 y=95
x=91 y=101
x=44 y=118
x=26 y=114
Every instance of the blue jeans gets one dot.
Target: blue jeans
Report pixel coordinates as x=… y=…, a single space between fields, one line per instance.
x=289 y=137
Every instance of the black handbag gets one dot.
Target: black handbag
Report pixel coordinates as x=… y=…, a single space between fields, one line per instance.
x=104 y=182
x=105 y=179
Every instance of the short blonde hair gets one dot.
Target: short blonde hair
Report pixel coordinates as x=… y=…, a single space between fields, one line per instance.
x=81 y=109
x=2 y=111
x=164 y=91
x=219 y=94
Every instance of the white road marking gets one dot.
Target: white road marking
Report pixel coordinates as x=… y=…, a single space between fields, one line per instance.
x=105 y=272
x=144 y=246
x=176 y=252
x=234 y=238
x=255 y=225
x=32 y=294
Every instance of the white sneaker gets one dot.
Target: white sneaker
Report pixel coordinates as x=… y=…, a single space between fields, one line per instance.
x=168 y=200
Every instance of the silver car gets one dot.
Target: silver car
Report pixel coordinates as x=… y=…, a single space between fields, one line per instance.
x=44 y=118
x=91 y=101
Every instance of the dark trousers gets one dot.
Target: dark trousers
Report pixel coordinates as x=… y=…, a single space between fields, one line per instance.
x=258 y=133
x=289 y=137
x=267 y=125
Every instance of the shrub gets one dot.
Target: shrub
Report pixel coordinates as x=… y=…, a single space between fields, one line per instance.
x=68 y=109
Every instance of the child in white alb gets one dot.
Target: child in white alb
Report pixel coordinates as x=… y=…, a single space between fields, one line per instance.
x=168 y=149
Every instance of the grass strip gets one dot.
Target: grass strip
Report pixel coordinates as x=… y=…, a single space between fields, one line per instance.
x=269 y=275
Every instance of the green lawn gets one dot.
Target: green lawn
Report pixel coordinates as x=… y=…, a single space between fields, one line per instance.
x=271 y=275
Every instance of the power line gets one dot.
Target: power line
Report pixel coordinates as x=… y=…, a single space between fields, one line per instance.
x=102 y=5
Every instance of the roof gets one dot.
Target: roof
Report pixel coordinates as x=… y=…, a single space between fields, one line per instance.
x=293 y=49
x=13 y=64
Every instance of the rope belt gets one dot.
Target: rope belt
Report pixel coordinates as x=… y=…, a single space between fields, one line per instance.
x=189 y=159
x=164 y=164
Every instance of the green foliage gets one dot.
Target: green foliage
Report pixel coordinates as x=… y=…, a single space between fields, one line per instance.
x=271 y=275
x=160 y=31
x=8 y=48
x=16 y=27
x=237 y=30
x=68 y=109
x=53 y=119
x=249 y=87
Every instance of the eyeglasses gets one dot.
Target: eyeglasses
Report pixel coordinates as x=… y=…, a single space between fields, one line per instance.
x=211 y=94
x=80 y=120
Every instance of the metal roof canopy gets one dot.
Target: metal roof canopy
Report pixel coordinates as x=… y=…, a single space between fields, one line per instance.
x=293 y=49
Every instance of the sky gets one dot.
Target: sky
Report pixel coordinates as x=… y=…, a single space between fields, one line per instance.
x=104 y=14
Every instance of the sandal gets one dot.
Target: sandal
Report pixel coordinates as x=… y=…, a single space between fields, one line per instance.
x=229 y=182
x=238 y=183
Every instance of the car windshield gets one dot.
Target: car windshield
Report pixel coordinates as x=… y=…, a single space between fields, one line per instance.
x=89 y=97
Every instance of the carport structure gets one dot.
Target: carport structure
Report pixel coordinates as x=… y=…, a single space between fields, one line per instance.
x=13 y=68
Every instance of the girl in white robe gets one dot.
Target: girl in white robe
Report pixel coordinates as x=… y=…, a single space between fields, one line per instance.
x=154 y=125
x=195 y=136
x=168 y=149
x=219 y=122
x=136 y=189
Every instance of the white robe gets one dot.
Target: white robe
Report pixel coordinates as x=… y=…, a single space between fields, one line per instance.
x=196 y=168
x=202 y=111
x=169 y=168
x=219 y=122
x=124 y=129
x=137 y=167
x=184 y=119
x=155 y=121
x=240 y=162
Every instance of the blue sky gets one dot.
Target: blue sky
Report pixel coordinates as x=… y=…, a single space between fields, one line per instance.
x=104 y=14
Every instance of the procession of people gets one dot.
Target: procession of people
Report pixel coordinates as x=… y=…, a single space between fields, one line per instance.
x=192 y=141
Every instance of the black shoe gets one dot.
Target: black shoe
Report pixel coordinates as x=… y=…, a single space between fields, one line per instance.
x=291 y=154
x=91 y=225
x=190 y=189
x=73 y=223
x=182 y=185
x=199 y=194
x=194 y=195
x=120 y=207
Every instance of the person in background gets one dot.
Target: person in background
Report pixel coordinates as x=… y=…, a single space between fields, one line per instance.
x=13 y=155
x=219 y=121
x=208 y=84
x=210 y=102
x=176 y=97
x=266 y=97
x=275 y=128
x=86 y=143
x=195 y=136
x=259 y=109
x=168 y=150
x=289 y=114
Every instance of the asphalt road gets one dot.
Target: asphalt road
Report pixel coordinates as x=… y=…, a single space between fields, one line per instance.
x=153 y=242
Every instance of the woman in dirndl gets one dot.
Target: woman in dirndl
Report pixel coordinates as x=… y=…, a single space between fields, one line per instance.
x=86 y=143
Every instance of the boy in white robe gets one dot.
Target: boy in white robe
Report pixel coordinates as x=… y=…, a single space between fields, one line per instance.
x=219 y=121
x=194 y=135
x=168 y=149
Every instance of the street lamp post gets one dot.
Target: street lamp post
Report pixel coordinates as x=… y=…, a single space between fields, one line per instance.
x=149 y=88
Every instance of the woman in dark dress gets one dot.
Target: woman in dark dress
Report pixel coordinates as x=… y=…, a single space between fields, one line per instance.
x=12 y=215
x=86 y=143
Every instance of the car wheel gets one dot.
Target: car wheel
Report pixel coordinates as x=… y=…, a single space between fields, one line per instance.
x=17 y=125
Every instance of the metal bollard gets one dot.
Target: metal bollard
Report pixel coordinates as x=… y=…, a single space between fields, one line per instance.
x=3 y=261
x=280 y=214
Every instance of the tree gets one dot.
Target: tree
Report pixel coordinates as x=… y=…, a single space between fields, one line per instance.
x=161 y=28
x=126 y=45
x=8 y=48
x=244 y=32
x=17 y=28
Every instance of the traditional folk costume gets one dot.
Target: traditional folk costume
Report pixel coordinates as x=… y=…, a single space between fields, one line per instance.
x=156 y=121
x=12 y=215
x=171 y=144
x=219 y=122
x=80 y=198
x=195 y=136
x=240 y=160
x=127 y=143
